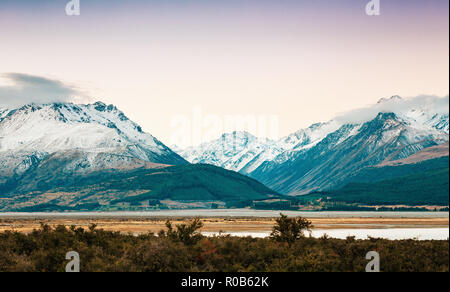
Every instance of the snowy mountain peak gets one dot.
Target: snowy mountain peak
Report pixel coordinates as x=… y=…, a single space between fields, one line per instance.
x=241 y=139
x=391 y=99
x=22 y=128
x=94 y=131
x=238 y=135
x=307 y=138
x=233 y=151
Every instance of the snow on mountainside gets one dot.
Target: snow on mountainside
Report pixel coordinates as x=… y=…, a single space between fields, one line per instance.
x=398 y=128
x=243 y=152
x=233 y=151
x=96 y=136
x=343 y=153
x=307 y=138
x=424 y=116
x=304 y=139
x=3 y=112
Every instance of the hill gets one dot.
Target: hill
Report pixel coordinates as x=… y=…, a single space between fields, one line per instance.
x=379 y=173
x=426 y=188
x=418 y=184
x=136 y=189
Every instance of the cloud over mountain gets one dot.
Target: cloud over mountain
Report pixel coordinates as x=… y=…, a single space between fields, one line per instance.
x=396 y=104
x=25 y=89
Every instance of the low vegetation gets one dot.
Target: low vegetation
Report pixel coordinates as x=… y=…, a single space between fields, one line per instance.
x=183 y=249
x=290 y=229
x=188 y=234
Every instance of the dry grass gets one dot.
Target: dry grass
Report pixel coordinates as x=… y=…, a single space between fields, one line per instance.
x=139 y=226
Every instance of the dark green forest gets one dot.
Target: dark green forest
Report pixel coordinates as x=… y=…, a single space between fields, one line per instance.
x=180 y=183
x=375 y=173
x=425 y=183
x=427 y=188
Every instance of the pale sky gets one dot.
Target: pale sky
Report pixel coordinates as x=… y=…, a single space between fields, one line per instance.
x=303 y=61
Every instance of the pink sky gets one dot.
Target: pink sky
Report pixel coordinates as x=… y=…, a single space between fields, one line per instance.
x=304 y=61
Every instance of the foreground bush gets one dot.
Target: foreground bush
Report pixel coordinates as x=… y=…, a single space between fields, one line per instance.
x=44 y=250
x=290 y=229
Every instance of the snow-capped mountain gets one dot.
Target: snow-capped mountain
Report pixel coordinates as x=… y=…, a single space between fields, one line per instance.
x=325 y=155
x=304 y=139
x=343 y=153
x=243 y=152
x=425 y=115
x=309 y=137
x=94 y=136
x=237 y=151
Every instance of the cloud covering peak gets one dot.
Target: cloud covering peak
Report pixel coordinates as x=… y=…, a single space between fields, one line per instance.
x=26 y=89
x=396 y=104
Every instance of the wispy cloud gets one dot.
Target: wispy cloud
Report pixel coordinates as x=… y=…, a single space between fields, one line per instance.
x=25 y=89
x=432 y=103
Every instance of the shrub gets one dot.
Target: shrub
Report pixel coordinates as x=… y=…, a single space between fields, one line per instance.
x=186 y=233
x=290 y=229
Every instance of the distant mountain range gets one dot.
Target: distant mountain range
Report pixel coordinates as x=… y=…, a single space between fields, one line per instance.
x=326 y=156
x=63 y=155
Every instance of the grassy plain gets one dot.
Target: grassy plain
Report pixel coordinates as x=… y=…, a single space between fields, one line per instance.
x=216 y=225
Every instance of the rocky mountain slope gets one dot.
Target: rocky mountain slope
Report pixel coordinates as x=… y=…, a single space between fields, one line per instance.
x=430 y=153
x=237 y=151
x=243 y=152
x=325 y=155
x=353 y=147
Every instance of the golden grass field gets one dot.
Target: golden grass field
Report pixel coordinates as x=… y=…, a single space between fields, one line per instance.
x=216 y=225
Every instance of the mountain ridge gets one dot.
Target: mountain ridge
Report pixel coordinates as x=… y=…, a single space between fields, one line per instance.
x=401 y=128
x=93 y=134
